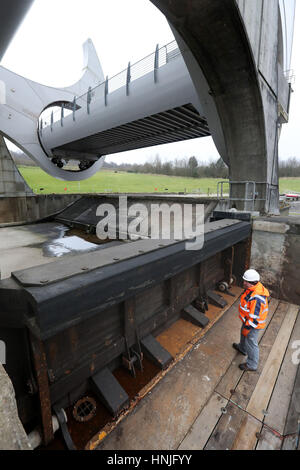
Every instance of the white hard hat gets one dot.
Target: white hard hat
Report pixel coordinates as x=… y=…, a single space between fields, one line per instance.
x=251 y=276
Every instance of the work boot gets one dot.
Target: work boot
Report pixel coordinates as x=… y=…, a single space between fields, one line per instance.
x=236 y=346
x=245 y=368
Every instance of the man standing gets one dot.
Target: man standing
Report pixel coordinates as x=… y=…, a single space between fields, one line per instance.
x=253 y=311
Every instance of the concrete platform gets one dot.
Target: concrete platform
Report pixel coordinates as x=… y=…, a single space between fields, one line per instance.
x=206 y=402
x=37 y=244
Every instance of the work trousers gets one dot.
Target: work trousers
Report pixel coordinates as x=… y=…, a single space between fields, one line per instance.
x=249 y=345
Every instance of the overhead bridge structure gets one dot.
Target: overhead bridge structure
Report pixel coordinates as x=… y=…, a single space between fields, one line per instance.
x=152 y=102
x=227 y=75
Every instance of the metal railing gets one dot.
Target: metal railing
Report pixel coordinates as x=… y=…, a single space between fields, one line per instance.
x=251 y=193
x=151 y=63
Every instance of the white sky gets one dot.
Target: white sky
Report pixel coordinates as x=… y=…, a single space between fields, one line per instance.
x=48 y=48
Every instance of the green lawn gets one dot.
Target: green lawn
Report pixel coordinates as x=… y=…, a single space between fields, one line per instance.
x=122 y=182
x=289 y=184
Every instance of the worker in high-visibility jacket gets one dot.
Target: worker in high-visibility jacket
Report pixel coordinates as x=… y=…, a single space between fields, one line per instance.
x=253 y=311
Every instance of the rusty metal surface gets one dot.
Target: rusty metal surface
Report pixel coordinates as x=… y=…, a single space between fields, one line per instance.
x=40 y=363
x=61 y=270
x=88 y=322
x=78 y=352
x=162 y=412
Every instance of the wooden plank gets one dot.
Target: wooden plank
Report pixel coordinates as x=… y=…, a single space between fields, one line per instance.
x=247 y=384
x=230 y=380
x=224 y=435
x=204 y=425
x=293 y=417
x=269 y=440
x=264 y=387
x=246 y=438
x=40 y=364
x=279 y=404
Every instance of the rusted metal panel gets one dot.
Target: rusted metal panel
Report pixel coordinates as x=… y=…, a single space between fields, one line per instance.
x=193 y=315
x=41 y=370
x=110 y=391
x=227 y=259
x=154 y=350
x=90 y=321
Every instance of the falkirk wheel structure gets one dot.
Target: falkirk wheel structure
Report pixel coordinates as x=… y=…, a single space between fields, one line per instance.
x=89 y=327
x=225 y=75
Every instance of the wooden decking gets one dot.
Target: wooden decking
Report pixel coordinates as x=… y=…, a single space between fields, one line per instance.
x=256 y=410
x=206 y=402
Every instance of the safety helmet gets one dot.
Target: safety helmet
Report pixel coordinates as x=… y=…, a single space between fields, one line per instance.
x=251 y=276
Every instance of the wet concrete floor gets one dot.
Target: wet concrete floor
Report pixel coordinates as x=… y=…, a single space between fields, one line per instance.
x=32 y=245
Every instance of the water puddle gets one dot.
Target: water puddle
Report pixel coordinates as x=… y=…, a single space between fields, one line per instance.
x=73 y=241
x=62 y=246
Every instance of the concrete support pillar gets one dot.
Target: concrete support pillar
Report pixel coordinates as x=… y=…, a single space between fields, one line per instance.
x=12 y=433
x=239 y=78
x=11 y=182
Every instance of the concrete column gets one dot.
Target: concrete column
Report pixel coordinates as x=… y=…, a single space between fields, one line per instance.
x=241 y=86
x=12 y=433
x=11 y=182
x=275 y=254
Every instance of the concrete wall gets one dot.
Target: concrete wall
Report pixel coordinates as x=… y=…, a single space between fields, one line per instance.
x=18 y=210
x=11 y=181
x=275 y=254
x=243 y=69
x=262 y=21
x=12 y=434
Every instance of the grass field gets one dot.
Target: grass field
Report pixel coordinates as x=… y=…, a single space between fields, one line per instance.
x=117 y=182
x=122 y=182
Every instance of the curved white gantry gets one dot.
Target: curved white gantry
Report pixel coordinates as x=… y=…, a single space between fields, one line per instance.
x=152 y=102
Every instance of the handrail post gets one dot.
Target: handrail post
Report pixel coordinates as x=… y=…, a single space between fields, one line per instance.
x=89 y=99
x=62 y=115
x=106 y=91
x=128 y=78
x=74 y=108
x=254 y=195
x=156 y=63
x=52 y=120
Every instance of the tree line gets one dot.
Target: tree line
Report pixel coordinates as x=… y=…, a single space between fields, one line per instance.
x=186 y=167
x=190 y=167
x=289 y=168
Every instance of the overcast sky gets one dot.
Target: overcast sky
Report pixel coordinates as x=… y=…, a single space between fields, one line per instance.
x=48 y=48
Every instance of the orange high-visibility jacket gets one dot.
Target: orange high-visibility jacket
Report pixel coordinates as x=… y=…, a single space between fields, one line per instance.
x=253 y=309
